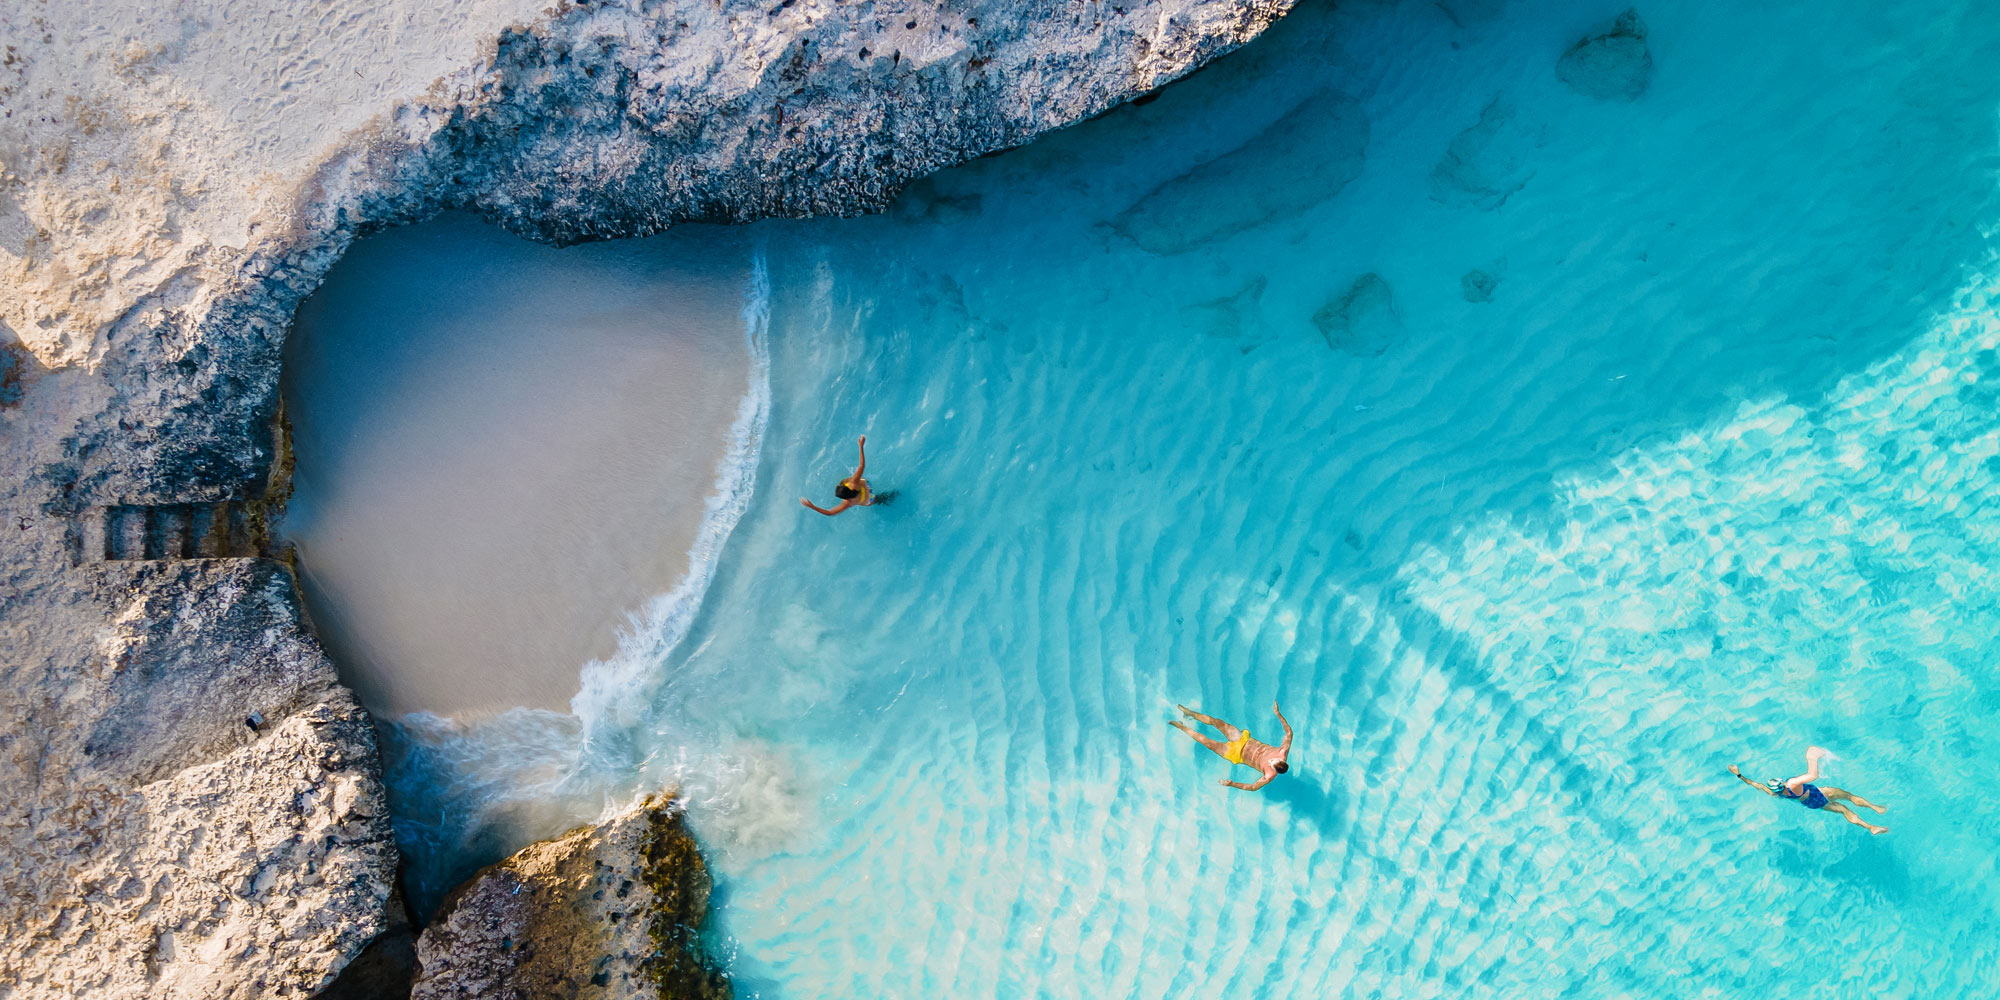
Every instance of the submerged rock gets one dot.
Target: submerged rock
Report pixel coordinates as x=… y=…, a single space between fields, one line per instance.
x=1258 y=181
x=923 y=202
x=1231 y=316
x=1472 y=13
x=1362 y=320
x=613 y=910
x=1478 y=285
x=1613 y=65
x=1488 y=162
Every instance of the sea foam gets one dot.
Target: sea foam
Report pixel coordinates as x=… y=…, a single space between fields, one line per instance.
x=615 y=689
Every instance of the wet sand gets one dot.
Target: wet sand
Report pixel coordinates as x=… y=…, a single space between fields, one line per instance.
x=504 y=449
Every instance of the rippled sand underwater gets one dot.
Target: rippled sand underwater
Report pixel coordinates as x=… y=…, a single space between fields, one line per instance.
x=1543 y=456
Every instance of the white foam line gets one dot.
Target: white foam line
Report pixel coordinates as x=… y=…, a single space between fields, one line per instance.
x=613 y=692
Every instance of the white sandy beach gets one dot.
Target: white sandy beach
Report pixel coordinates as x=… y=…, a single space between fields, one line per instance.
x=503 y=450
x=233 y=99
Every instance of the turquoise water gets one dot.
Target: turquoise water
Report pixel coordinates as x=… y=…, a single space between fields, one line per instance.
x=1708 y=475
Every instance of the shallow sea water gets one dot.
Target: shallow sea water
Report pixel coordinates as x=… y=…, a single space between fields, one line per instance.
x=1710 y=475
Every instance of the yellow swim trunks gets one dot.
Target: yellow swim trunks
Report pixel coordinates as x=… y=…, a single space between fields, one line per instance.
x=1233 y=753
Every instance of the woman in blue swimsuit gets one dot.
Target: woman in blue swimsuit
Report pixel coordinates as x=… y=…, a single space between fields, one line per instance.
x=1802 y=790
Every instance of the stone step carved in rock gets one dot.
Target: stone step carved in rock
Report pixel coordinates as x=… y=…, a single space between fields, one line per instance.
x=126 y=532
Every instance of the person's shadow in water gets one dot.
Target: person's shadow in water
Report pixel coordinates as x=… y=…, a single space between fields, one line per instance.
x=1309 y=802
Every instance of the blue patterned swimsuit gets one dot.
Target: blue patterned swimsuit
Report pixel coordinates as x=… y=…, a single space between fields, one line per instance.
x=1809 y=794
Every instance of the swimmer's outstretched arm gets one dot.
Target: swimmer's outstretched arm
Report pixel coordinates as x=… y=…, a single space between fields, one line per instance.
x=1285 y=747
x=844 y=504
x=1813 y=757
x=1753 y=784
x=859 y=470
x=1261 y=782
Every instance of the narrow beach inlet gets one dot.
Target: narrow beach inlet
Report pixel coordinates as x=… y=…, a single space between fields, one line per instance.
x=504 y=450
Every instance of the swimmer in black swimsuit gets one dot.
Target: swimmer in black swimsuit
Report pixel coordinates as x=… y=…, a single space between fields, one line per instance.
x=1802 y=790
x=852 y=491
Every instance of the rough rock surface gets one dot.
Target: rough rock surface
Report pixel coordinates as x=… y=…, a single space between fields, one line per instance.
x=152 y=844
x=600 y=912
x=1613 y=65
x=174 y=178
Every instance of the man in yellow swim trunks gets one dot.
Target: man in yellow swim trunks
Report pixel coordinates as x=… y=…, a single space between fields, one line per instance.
x=1242 y=748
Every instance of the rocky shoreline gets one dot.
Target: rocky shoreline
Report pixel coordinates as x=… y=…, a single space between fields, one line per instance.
x=196 y=804
x=607 y=911
x=198 y=809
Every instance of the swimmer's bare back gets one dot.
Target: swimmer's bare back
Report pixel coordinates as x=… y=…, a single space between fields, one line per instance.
x=852 y=491
x=1242 y=748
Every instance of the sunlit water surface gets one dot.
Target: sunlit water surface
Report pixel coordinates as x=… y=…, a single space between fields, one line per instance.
x=1706 y=473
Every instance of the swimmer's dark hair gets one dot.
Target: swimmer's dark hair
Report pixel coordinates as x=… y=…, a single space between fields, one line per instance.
x=845 y=492
x=1281 y=767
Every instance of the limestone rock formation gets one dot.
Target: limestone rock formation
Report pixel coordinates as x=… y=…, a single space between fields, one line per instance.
x=152 y=843
x=610 y=911
x=1362 y=320
x=1612 y=65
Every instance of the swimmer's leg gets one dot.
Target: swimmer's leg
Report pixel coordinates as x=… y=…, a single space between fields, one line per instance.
x=1211 y=720
x=1843 y=795
x=1213 y=746
x=1842 y=809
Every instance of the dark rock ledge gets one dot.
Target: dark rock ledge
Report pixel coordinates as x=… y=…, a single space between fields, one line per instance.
x=607 y=911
